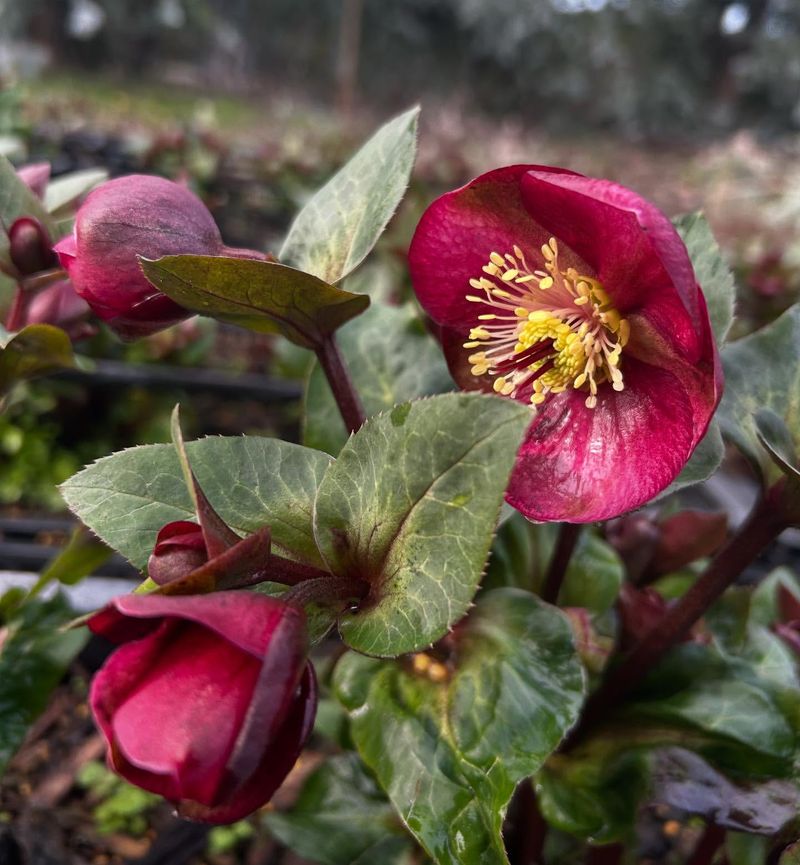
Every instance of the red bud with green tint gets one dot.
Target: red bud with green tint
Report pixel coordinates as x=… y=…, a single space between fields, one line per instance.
x=576 y=297
x=208 y=700
x=120 y=220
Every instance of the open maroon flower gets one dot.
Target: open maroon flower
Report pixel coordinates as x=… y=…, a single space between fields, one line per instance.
x=209 y=699
x=124 y=218
x=576 y=296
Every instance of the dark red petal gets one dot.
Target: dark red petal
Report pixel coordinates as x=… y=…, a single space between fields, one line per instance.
x=275 y=764
x=458 y=232
x=246 y=619
x=582 y=465
x=182 y=717
x=632 y=247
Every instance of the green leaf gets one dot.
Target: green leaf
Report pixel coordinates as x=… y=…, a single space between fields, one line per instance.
x=595 y=791
x=64 y=191
x=37 y=349
x=251 y=482
x=338 y=227
x=258 y=295
x=744 y=705
x=391 y=359
x=744 y=849
x=776 y=439
x=82 y=555
x=33 y=657
x=594 y=575
x=410 y=506
x=762 y=371
x=341 y=813
x=711 y=269
x=17 y=200
x=703 y=462
x=450 y=750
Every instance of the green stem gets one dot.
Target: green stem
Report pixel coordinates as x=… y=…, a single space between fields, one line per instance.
x=344 y=392
x=765 y=523
x=568 y=535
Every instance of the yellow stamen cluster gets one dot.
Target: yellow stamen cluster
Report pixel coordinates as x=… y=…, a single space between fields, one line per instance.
x=549 y=329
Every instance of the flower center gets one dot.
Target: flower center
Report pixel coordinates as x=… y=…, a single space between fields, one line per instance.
x=547 y=330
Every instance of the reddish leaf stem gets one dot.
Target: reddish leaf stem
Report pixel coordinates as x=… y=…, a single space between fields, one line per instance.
x=710 y=842
x=14 y=319
x=526 y=841
x=568 y=535
x=344 y=392
x=326 y=590
x=765 y=523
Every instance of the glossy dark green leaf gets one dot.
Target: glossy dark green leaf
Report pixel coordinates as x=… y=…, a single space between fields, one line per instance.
x=410 y=505
x=741 y=848
x=338 y=227
x=258 y=295
x=745 y=705
x=37 y=349
x=594 y=792
x=17 y=200
x=594 y=575
x=341 y=813
x=252 y=482
x=391 y=360
x=711 y=269
x=448 y=741
x=762 y=371
x=34 y=655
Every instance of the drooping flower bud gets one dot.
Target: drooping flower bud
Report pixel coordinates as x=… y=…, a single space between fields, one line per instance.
x=120 y=220
x=209 y=699
x=30 y=247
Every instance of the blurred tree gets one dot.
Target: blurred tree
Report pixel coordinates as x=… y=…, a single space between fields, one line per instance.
x=643 y=68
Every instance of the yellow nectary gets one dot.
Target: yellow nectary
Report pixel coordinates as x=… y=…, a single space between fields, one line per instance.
x=549 y=329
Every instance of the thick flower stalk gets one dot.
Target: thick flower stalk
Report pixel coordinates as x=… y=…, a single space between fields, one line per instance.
x=577 y=297
x=208 y=700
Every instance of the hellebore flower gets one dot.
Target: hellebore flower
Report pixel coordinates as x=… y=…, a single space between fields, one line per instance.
x=575 y=296
x=209 y=699
x=59 y=304
x=123 y=218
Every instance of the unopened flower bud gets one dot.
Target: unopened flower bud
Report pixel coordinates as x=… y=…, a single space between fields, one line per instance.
x=30 y=248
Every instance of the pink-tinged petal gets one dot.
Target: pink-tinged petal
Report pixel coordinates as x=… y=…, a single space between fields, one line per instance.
x=274 y=766
x=246 y=619
x=182 y=717
x=581 y=465
x=459 y=231
x=36 y=177
x=631 y=246
x=56 y=304
x=67 y=251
